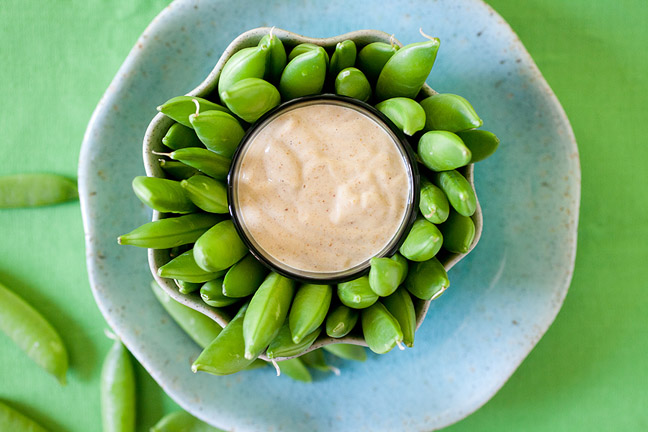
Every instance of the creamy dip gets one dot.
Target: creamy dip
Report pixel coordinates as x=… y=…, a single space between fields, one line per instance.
x=322 y=188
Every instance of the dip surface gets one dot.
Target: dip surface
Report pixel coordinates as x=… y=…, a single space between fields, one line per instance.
x=322 y=188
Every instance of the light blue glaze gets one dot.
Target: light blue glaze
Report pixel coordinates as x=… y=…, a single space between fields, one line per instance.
x=503 y=296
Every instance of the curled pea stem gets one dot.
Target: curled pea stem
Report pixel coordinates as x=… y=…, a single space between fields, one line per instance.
x=111 y=335
x=335 y=370
x=391 y=40
x=425 y=35
x=400 y=345
x=271 y=30
x=274 y=363
x=161 y=154
x=195 y=101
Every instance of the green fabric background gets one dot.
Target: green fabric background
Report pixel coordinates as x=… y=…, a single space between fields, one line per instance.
x=589 y=372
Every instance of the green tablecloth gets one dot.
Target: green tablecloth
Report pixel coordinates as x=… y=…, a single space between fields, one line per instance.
x=590 y=371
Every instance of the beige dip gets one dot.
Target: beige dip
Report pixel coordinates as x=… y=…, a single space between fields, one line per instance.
x=322 y=188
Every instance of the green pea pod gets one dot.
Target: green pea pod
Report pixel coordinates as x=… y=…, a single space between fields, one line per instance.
x=33 y=334
x=33 y=190
x=276 y=57
x=250 y=98
x=187 y=287
x=351 y=82
x=357 y=294
x=118 y=390
x=443 y=151
x=459 y=192
x=423 y=241
x=341 y=321
x=482 y=144
x=347 y=351
x=244 y=277
x=343 y=57
x=295 y=369
x=458 y=233
x=304 y=75
x=219 y=131
x=225 y=354
x=309 y=309
x=181 y=421
x=372 y=58
x=170 y=232
x=381 y=330
x=202 y=329
x=449 y=112
x=219 y=248
x=385 y=275
x=177 y=170
x=427 y=280
x=433 y=204
x=246 y=63
x=166 y=196
x=206 y=161
x=184 y=267
x=406 y=114
x=284 y=346
x=206 y=193
x=406 y=71
x=12 y=420
x=179 y=136
x=267 y=313
x=181 y=107
x=315 y=359
x=404 y=266
x=401 y=306
x=212 y=294
x=307 y=47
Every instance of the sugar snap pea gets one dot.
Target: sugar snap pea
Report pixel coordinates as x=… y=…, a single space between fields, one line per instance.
x=177 y=170
x=423 y=241
x=443 y=151
x=246 y=63
x=118 y=390
x=315 y=359
x=449 y=112
x=250 y=98
x=206 y=193
x=267 y=312
x=219 y=248
x=427 y=280
x=276 y=58
x=433 y=203
x=187 y=287
x=347 y=351
x=459 y=192
x=219 y=131
x=340 y=321
x=295 y=369
x=225 y=354
x=244 y=277
x=210 y=163
x=401 y=306
x=351 y=82
x=309 y=308
x=404 y=265
x=32 y=190
x=343 y=57
x=179 y=136
x=170 y=232
x=181 y=107
x=306 y=47
x=13 y=420
x=357 y=294
x=304 y=75
x=481 y=143
x=182 y=421
x=284 y=346
x=163 y=195
x=381 y=330
x=372 y=58
x=385 y=275
x=458 y=233
x=406 y=71
x=212 y=294
x=184 y=267
x=199 y=327
x=406 y=114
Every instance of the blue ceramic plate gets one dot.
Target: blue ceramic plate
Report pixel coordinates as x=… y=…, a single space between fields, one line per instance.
x=503 y=297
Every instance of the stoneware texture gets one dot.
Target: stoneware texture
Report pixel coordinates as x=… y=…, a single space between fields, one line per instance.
x=161 y=124
x=503 y=297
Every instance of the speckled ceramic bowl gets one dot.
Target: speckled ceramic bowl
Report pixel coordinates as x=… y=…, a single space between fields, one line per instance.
x=161 y=124
x=503 y=297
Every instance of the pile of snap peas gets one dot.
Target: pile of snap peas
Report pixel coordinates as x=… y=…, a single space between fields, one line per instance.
x=272 y=315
